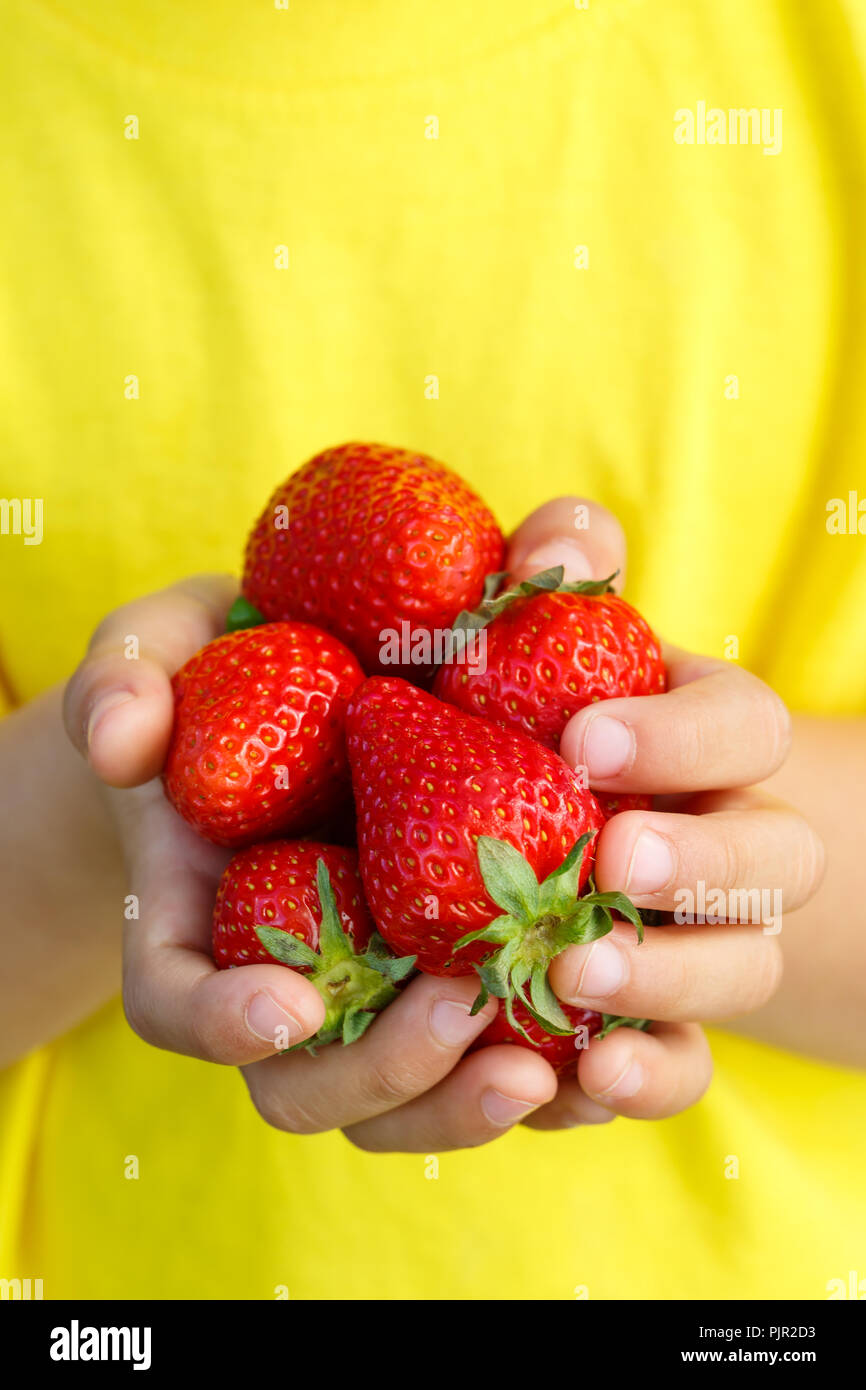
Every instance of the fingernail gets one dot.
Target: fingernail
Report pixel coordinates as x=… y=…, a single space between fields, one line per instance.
x=652 y=864
x=451 y=1024
x=565 y=552
x=101 y=708
x=628 y=1083
x=608 y=747
x=270 y=1022
x=604 y=971
x=504 y=1110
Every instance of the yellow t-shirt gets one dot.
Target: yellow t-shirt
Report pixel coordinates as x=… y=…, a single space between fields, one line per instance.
x=236 y=234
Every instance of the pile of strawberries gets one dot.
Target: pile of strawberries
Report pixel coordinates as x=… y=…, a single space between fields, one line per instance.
x=390 y=814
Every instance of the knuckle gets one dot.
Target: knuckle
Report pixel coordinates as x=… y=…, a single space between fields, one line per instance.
x=72 y=710
x=283 y=1112
x=208 y=1040
x=690 y=1078
x=736 y=859
x=104 y=635
x=80 y=691
x=388 y=1084
x=362 y=1137
x=811 y=862
x=768 y=976
x=776 y=726
x=268 y=1108
x=696 y=735
x=677 y=987
x=671 y=987
x=703 y=1067
x=138 y=1008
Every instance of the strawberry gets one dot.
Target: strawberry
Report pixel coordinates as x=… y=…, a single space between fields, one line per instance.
x=458 y=819
x=301 y=903
x=551 y=649
x=560 y=1050
x=381 y=546
x=258 y=745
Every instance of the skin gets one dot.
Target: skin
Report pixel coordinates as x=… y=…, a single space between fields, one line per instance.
x=407 y=1085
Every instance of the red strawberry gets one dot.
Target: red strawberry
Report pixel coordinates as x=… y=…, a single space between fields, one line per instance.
x=371 y=541
x=458 y=819
x=612 y=803
x=258 y=745
x=552 y=648
x=560 y=1050
x=302 y=904
x=273 y=884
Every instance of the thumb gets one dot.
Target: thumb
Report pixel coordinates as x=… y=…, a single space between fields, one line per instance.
x=118 y=706
x=582 y=536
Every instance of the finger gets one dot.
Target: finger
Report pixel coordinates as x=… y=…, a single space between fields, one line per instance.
x=717 y=726
x=173 y=994
x=483 y=1097
x=756 y=863
x=648 y=1076
x=582 y=536
x=406 y=1051
x=118 y=704
x=679 y=973
x=570 y=1107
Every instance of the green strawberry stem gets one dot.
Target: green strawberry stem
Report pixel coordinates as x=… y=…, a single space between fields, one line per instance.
x=538 y=921
x=546 y=582
x=354 y=987
x=243 y=614
x=611 y=1021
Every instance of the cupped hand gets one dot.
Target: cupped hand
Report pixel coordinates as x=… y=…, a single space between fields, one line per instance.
x=406 y=1084
x=716 y=842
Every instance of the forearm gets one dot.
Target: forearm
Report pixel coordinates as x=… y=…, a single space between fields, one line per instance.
x=820 y=1008
x=62 y=900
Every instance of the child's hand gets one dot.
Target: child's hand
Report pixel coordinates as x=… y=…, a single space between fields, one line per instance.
x=406 y=1084
x=704 y=744
x=402 y=1086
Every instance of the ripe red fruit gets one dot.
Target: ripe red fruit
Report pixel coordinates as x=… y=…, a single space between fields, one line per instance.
x=612 y=803
x=552 y=648
x=274 y=885
x=458 y=820
x=561 y=1050
x=258 y=745
x=366 y=538
x=301 y=904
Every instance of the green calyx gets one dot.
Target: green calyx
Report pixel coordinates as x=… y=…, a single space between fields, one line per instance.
x=243 y=614
x=546 y=582
x=354 y=987
x=538 y=921
x=611 y=1021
